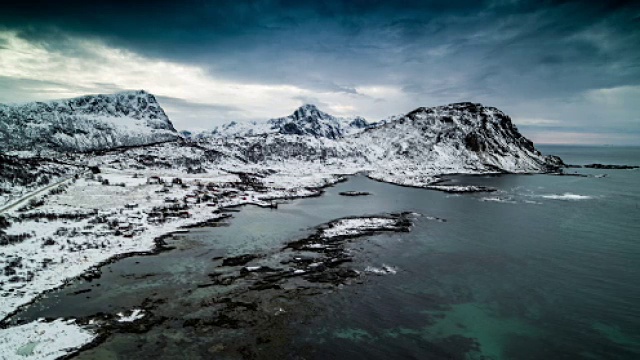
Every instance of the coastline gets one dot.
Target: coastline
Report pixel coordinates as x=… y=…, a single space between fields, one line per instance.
x=233 y=191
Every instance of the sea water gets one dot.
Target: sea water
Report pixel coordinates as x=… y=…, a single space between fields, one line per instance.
x=546 y=267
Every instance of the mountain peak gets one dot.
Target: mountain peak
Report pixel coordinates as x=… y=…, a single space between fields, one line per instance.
x=305 y=120
x=308 y=107
x=308 y=111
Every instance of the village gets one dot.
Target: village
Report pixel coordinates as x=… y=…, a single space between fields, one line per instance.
x=106 y=212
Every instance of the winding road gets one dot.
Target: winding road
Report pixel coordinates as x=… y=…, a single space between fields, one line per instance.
x=31 y=195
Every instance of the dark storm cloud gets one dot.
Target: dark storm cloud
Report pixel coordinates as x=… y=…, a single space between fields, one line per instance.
x=513 y=54
x=241 y=39
x=314 y=43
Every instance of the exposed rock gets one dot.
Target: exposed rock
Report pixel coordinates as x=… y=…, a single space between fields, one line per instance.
x=239 y=260
x=611 y=167
x=354 y=193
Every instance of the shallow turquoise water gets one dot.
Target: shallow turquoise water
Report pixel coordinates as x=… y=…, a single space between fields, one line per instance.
x=545 y=268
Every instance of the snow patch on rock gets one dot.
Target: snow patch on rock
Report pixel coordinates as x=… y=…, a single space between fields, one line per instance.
x=350 y=227
x=383 y=270
x=136 y=314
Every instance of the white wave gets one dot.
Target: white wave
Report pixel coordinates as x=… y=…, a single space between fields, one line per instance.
x=384 y=270
x=567 y=196
x=531 y=202
x=498 y=199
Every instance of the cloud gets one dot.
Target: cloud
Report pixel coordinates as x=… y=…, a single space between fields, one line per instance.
x=537 y=122
x=192 y=96
x=93 y=67
x=535 y=60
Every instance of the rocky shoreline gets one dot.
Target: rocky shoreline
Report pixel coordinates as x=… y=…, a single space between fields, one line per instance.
x=605 y=167
x=255 y=280
x=133 y=230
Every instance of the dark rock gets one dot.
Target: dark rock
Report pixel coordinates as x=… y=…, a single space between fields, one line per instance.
x=239 y=260
x=611 y=167
x=354 y=193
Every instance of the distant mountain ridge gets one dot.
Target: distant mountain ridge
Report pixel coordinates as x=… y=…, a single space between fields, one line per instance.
x=91 y=122
x=306 y=120
x=410 y=149
x=455 y=138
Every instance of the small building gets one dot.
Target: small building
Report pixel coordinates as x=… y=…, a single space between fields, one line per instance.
x=154 y=180
x=124 y=226
x=191 y=199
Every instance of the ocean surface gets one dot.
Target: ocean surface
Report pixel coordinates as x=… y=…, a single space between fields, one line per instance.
x=548 y=267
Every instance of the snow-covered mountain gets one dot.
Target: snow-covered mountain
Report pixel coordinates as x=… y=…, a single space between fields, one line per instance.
x=412 y=149
x=306 y=120
x=456 y=138
x=92 y=122
x=409 y=149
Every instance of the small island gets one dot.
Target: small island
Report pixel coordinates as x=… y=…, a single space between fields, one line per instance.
x=354 y=193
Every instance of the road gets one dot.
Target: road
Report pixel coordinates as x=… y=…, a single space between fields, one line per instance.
x=31 y=195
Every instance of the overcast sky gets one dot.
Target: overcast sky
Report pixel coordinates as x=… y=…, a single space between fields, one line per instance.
x=565 y=71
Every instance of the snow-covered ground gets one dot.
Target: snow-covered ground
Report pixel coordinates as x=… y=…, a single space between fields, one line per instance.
x=90 y=223
x=98 y=217
x=41 y=340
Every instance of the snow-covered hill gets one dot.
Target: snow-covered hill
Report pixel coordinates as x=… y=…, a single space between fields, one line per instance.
x=92 y=122
x=306 y=120
x=455 y=138
x=414 y=149
x=410 y=149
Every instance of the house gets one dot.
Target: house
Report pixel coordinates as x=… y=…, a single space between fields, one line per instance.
x=192 y=198
x=124 y=226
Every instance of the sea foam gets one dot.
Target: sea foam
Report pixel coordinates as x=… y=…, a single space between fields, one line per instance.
x=567 y=196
